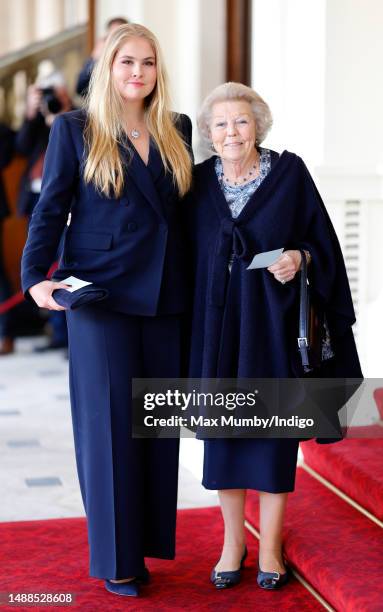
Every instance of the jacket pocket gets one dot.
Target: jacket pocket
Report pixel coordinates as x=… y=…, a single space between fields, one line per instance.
x=96 y=241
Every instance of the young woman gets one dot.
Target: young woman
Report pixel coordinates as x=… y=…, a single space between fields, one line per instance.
x=120 y=168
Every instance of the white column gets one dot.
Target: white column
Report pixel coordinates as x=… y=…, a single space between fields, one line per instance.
x=18 y=30
x=49 y=18
x=5 y=32
x=21 y=23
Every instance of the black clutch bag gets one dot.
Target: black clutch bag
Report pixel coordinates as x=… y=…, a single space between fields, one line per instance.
x=74 y=299
x=314 y=343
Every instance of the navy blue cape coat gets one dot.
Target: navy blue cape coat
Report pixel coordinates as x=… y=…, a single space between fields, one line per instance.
x=245 y=323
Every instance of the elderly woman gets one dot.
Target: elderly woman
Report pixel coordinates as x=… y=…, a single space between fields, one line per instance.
x=246 y=200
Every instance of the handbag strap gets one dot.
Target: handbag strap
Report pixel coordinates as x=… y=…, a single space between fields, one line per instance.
x=304 y=309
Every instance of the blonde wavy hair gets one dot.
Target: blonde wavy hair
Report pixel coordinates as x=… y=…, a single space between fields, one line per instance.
x=104 y=130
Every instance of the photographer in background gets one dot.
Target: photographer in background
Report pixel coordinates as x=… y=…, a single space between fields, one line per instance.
x=47 y=98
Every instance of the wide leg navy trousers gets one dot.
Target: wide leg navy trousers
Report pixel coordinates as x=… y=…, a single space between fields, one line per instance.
x=129 y=486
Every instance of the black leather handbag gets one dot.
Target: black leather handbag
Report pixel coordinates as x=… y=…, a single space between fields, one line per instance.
x=314 y=343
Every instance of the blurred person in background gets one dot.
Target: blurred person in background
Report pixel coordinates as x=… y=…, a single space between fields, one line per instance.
x=6 y=333
x=47 y=98
x=86 y=71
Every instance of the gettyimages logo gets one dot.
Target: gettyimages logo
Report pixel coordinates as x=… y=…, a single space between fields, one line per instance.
x=184 y=401
x=215 y=408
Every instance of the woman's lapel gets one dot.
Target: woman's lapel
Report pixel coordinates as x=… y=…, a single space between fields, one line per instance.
x=142 y=177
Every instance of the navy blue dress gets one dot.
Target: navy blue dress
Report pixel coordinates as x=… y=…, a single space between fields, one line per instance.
x=244 y=324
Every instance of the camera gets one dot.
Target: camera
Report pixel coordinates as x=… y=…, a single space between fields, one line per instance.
x=51 y=102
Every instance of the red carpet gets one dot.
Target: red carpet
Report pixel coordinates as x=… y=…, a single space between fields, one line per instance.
x=51 y=556
x=354 y=466
x=336 y=548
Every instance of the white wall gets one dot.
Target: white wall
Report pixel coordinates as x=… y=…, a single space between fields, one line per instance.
x=353 y=152
x=318 y=64
x=354 y=95
x=288 y=63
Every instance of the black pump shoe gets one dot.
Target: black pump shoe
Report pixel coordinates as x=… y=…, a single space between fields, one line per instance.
x=127 y=589
x=224 y=580
x=130 y=588
x=271 y=580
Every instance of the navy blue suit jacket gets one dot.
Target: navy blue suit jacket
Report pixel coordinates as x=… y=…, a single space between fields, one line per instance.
x=131 y=245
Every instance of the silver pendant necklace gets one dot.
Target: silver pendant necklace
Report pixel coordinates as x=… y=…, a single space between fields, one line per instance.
x=135 y=133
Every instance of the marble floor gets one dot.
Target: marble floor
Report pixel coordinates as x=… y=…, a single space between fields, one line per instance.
x=38 y=477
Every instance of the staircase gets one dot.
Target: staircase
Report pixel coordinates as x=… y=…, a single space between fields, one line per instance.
x=333 y=536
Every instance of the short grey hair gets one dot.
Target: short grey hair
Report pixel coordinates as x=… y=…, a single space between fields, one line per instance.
x=235 y=91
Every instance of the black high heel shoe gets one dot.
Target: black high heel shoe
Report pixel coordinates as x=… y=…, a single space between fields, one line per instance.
x=224 y=580
x=272 y=580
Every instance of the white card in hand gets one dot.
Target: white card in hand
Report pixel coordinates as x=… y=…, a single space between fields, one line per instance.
x=265 y=259
x=76 y=283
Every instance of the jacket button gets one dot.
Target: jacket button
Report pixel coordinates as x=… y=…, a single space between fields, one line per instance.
x=132 y=226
